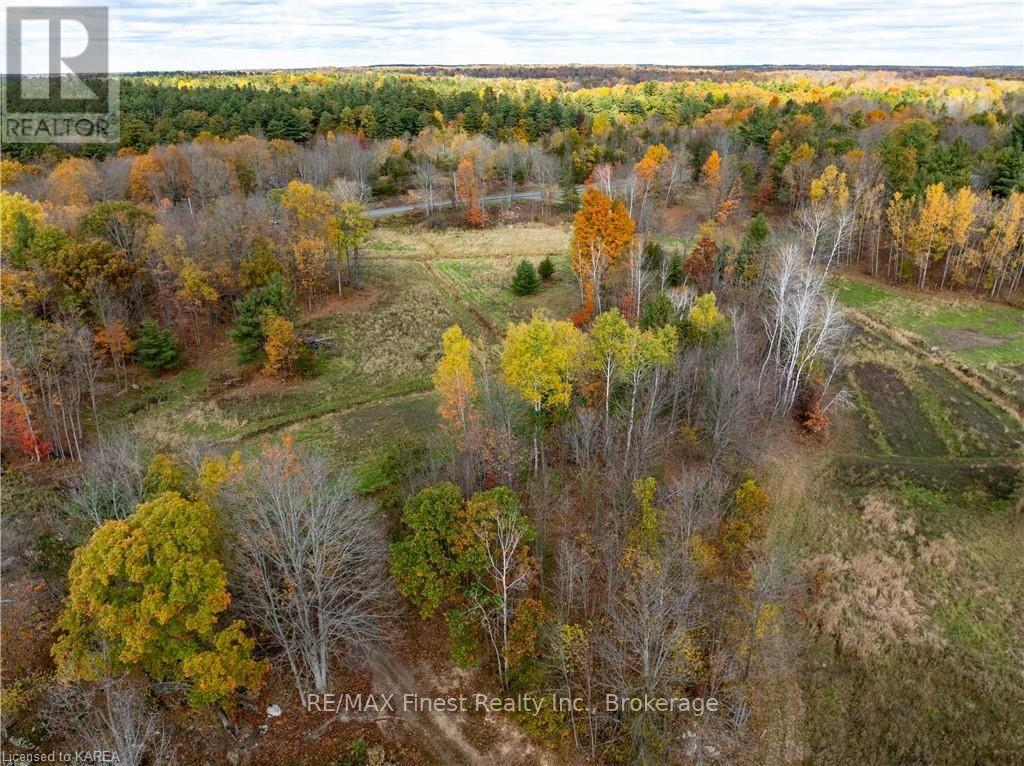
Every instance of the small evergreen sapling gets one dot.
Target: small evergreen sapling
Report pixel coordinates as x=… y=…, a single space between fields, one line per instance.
x=156 y=348
x=525 y=281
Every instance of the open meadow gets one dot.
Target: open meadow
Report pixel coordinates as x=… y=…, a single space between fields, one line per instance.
x=372 y=386
x=919 y=505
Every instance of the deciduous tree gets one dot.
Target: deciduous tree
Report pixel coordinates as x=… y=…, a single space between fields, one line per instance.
x=353 y=229
x=602 y=229
x=148 y=592
x=539 y=360
x=311 y=562
x=455 y=382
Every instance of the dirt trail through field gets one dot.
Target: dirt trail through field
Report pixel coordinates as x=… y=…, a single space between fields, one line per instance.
x=450 y=289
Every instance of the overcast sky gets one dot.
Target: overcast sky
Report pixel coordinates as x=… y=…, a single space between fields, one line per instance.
x=234 y=34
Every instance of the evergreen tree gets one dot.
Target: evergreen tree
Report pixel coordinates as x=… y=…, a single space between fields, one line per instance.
x=525 y=281
x=156 y=349
x=755 y=241
x=546 y=269
x=21 y=239
x=658 y=311
x=248 y=333
x=1009 y=175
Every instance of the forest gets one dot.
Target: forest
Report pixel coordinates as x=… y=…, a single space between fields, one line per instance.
x=559 y=384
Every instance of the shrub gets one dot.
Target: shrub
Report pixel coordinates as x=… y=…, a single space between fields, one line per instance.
x=546 y=269
x=525 y=281
x=308 y=363
x=463 y=642
x=808 y=410
x=675 y=270
x=156 y=348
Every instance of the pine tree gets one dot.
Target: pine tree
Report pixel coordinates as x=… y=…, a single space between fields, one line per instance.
x=156 y=349
x=248 y=332
x=525 y=281
x=546 y=269
x=658 y=311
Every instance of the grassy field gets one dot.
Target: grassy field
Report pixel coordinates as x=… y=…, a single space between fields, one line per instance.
x=907 y=408
x=948 y=461
x=484 y=283
x=533 y=241
x=373 y=387
x=987 y=338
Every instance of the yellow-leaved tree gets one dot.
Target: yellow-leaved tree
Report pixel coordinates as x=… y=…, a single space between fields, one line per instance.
x=309 y=210
x=19 y=218
x=703 y=316
x=539 y=361
x=454 y=380
x=930 y=234
x=711 y=180
x=309 y=259
x=281 y=346
x=148 y=592
x=195 y=291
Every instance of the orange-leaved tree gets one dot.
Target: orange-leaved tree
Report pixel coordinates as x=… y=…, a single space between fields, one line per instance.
x=601 y=231
x=467 y=186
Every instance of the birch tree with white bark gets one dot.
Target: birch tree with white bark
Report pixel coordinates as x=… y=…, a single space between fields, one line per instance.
x=803 y=325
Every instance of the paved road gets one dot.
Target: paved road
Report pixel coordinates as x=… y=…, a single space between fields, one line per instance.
x=382 y=212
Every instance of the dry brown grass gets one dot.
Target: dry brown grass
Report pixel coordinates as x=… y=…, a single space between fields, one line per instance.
x=533 y=240
x=864 y=599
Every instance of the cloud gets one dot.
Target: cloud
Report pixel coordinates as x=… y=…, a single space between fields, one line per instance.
x=238 y=34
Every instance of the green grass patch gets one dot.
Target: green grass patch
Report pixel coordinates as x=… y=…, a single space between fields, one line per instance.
x=974 y=332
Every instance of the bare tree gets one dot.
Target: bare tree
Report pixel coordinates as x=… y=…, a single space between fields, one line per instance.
x=109 y=484
x=729 y=405
x=113 y=716
x=426 y=177
x=544 y=171
x=803 y=324
x=508 y=163
x=310 y=562
x=653 y=613
x=640 y=277
x=358 y=162
x=503 y=536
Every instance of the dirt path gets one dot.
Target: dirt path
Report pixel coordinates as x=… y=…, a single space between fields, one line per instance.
x=439 y=730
